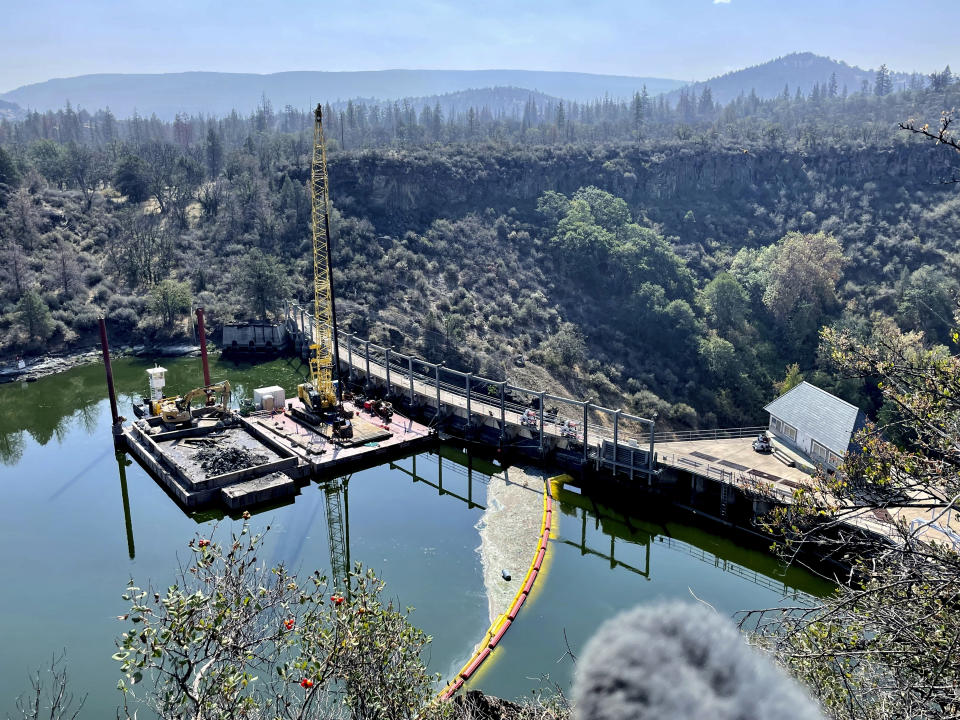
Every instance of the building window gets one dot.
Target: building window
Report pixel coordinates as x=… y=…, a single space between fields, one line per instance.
x=781 y=428
x=818 y=451
x=821 y=453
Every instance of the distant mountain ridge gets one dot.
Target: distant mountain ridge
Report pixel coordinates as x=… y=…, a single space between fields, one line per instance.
x=796 y=70
x=219 y=93
x=507 y=91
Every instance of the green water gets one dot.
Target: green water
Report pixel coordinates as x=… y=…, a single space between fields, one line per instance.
x=77 y=522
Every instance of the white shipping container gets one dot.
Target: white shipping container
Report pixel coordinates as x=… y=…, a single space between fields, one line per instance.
x=268 y=398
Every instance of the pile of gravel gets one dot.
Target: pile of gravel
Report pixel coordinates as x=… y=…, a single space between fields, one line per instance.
x=217 y=461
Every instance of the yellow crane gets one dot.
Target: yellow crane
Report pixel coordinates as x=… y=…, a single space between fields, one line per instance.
x=322 y=393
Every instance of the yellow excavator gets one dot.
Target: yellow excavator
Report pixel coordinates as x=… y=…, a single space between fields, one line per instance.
x=321 y=396
x=178 y=410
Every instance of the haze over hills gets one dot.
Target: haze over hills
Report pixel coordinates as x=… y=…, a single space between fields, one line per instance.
x=509 y=101
x=219 y=93
x=796 y=70
x=10 y=111
x=501 y=91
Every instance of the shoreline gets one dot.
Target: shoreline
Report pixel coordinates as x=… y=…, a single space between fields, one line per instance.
x=54 y=363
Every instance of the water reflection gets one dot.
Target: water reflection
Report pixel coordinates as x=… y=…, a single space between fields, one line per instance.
x=77 y=476
x=414 y=521
x=122 y=462
x=620 y=533
x=459 y=464
x=612 y=536
x=50 y=408
x=46 y=410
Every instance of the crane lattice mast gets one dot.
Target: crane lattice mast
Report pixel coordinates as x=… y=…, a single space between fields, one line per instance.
x=324 y=355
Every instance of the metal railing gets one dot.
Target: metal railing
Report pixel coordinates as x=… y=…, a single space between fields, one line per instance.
x=406 y=375
x=744 y=479
x=714 y=434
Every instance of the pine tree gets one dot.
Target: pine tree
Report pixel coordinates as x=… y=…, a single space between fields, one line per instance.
x=883 y=84
x=437 y=127
x=35 y=316
x=940 y=81
x=351 y=115
x=213 y=150
x=832 y=88
x=471 y=122
x=9 y=176
x=705 y=106
x=637 y=115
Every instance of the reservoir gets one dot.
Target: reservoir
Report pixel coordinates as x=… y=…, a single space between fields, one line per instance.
x=78 y=521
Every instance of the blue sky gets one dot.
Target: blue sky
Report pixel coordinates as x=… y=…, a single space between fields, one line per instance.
x=682 y=39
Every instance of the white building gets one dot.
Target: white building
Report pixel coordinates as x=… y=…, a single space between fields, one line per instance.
x=814 y=422
x=254 y=337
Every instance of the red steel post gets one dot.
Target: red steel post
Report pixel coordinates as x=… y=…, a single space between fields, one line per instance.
x=114 y=415
x=203 y=346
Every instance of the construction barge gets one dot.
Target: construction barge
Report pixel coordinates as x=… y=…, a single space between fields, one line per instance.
x=214 y=455
x=238 y=462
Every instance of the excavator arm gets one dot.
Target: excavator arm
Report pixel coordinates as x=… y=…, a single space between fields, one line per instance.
x=177 y=410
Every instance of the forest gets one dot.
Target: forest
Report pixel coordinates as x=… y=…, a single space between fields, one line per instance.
x=670 y=257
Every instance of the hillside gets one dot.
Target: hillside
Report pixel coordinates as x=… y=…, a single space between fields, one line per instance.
x=654 y=273
x=509 y=101
x=219 y=93
x=795 y=71
x=636 y=278
x=10 y=111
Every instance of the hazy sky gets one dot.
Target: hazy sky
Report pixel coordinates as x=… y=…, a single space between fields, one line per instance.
x=681 y=39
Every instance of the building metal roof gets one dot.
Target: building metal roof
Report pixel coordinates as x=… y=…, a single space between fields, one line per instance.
x=824 y=417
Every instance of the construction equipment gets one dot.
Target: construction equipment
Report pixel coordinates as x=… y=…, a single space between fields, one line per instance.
x=381 y=408
x=321 y=397
x=569 y=429
x=178 y=410
x=321 y=394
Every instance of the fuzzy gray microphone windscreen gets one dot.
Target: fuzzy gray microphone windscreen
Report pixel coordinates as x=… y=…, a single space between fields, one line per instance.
x=679 y=661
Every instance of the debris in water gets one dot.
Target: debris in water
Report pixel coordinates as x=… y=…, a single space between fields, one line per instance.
x=505 y=575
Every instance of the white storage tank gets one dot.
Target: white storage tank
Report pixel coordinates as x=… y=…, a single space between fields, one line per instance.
x=269 y=398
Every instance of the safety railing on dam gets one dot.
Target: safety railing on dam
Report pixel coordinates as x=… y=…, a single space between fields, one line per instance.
x=518 y=417
x=623 y=444
x=711 y=434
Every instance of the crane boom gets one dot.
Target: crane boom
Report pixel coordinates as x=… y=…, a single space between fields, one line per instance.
x=324 y=355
